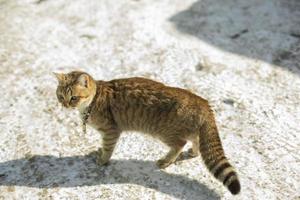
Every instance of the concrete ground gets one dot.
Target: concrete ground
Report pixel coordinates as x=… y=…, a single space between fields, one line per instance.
x=243 y=56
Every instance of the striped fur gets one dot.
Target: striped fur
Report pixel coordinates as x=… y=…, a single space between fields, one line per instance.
x=214 y=158
x=172 y=115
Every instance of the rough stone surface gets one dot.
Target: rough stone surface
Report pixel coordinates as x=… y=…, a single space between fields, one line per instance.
x=243 y=56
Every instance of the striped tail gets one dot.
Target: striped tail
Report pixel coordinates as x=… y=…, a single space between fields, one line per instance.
x=213 y=155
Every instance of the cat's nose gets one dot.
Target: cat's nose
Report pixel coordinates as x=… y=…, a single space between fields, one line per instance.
x=65 y=104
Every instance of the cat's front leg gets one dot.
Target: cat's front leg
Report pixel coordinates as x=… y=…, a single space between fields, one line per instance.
x=109 y=141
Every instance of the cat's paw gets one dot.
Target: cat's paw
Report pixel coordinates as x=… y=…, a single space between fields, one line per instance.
x=192 y=154
x=100 y=160
x=187 y=155
x=162 y=163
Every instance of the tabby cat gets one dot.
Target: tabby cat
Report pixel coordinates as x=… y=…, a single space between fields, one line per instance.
x=170 y=114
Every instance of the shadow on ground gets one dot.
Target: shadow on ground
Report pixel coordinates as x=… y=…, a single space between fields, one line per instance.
x=264 y=30
x=49 y=171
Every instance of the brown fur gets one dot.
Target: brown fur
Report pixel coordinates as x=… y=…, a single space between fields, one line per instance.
x=170 y=114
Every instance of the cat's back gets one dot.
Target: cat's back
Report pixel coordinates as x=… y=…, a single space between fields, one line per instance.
x=150 y=91
x=135 y=83
x=139 y=90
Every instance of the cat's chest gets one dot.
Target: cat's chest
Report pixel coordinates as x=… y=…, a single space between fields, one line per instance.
x=86 y=117
x=95 y=119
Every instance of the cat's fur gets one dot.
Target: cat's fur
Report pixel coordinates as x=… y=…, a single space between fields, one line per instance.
x=170 y=114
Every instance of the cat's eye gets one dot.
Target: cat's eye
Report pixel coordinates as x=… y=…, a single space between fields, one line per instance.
x=74 y=98
x=60 y=97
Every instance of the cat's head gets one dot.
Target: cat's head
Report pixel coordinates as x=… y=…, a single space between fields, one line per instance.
x=75 y=89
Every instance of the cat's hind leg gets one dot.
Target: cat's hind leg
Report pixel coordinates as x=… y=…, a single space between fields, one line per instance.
x=194 y=151
x=191 y=152
x=175 y=150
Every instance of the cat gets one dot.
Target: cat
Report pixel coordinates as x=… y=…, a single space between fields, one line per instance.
x=172 y=115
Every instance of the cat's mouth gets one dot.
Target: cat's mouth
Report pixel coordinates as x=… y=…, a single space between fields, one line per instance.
x=68 y=106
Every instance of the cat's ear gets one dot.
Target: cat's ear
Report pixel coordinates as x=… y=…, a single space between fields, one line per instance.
x=60 y=77
x=83 y=80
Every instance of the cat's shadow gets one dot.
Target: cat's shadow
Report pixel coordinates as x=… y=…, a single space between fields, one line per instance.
x=50 y=171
